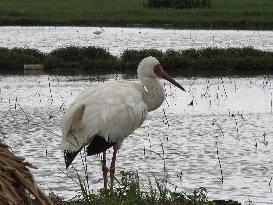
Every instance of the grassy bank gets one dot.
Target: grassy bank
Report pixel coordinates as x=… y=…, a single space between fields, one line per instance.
x=129 y=191
x=206 y=62
x=232 y=14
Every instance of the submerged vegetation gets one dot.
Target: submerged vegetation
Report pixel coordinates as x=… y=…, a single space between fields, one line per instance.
x=191 y=62
x=232 y=14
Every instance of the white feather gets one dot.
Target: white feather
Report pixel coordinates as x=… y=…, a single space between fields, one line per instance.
x=112 y=111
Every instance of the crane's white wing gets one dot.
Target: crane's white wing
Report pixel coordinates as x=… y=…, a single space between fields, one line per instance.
x=112 y=111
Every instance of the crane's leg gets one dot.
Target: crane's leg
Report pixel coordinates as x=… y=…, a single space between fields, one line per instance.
x=104 y=169
x=113 y=168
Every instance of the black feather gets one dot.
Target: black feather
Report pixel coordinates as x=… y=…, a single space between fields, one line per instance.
x=69 y=157
x=98 y=145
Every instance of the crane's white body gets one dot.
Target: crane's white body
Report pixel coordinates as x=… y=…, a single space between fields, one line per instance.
x=98 y=32
x=112 y=110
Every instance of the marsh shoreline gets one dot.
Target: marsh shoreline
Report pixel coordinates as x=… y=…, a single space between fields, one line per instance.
x=204 y=62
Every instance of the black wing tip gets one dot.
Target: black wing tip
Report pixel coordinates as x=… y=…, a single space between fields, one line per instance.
x=67 y=165
x=69 y=157
x=98 y=145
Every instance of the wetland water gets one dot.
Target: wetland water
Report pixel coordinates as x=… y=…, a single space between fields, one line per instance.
x=235 y=112
x=116 y=40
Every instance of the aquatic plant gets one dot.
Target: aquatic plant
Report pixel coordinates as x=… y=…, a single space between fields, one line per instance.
x=130 y=191
x=190 y=62
x=74 y=53
x=15 y=58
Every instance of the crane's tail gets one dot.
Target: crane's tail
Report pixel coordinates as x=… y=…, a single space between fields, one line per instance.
x=69 y=157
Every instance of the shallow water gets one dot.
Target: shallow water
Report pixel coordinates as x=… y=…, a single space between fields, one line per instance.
x=236 y=112
x=116 y=40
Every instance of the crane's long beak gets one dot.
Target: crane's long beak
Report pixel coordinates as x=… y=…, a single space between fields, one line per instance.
x=158 y=69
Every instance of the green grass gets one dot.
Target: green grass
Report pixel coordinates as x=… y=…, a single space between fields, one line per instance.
x=129 y=191
x=206 y=62
x=244 y=14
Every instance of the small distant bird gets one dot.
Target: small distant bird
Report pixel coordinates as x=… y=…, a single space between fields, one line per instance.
x=102 y=117
x=98 y=32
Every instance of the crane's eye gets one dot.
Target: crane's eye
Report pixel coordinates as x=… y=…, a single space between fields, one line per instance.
x=158 y=70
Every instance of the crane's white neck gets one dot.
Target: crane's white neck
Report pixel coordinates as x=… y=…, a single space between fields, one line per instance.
x=155 y=94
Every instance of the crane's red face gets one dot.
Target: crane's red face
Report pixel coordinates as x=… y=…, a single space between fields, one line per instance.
x=158 y=69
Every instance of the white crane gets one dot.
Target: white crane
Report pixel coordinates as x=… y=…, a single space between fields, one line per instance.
x=98 y=32
x=103 y=116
